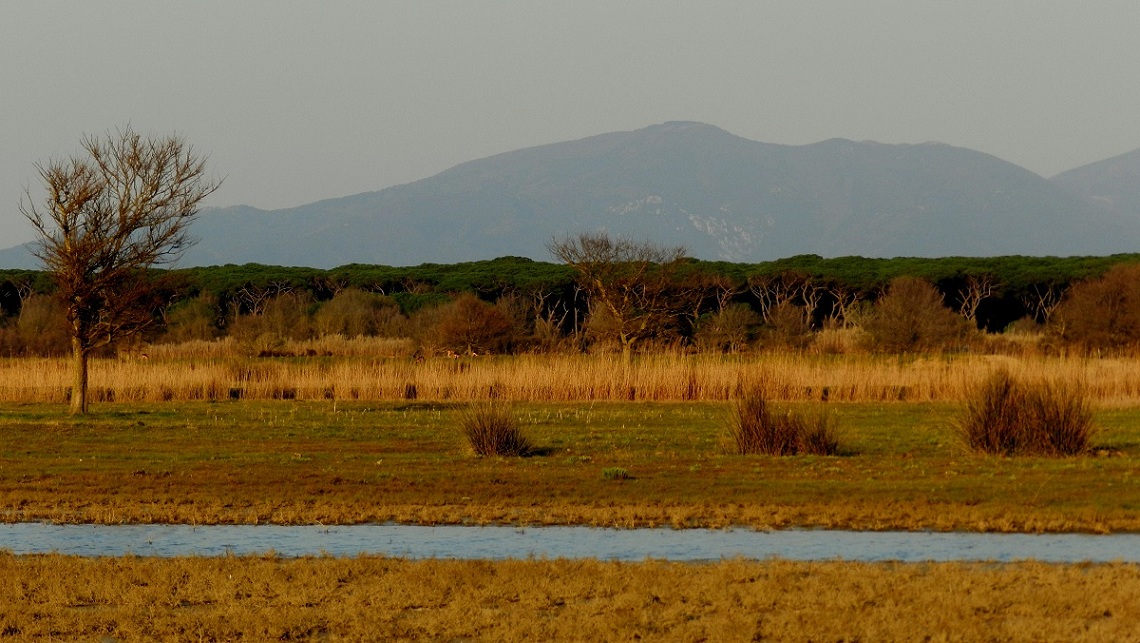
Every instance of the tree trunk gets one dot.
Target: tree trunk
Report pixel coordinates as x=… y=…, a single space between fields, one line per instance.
x=79 y=378
x=626 y=347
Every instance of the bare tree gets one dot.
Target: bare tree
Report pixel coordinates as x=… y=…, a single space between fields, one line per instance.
x=812 y=295
x=1043 y=299
x=110 y=214
x=976 y=289
x=25 y=287
x=775 y=290
x=844 y=298
x=708 y=292
x=633 y=282
x=252 y=299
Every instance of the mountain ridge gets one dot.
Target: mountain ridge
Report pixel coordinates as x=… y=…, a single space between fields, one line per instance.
x=685 y=183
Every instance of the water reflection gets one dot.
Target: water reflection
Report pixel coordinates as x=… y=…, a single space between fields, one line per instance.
x=559 y=542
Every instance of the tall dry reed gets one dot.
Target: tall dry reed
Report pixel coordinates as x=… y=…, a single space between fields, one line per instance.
x=211 y=372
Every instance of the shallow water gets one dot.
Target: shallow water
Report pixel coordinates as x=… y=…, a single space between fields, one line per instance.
x=498 y=542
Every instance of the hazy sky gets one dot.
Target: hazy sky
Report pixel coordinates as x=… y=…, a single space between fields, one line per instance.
x=300 y=101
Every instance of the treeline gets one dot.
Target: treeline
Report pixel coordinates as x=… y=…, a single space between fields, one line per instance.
x=513 y=304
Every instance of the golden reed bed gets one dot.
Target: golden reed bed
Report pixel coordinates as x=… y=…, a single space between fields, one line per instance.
x=556 y=378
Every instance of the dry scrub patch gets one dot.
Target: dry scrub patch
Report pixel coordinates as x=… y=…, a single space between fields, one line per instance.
x=758 y=430
x=371 y=598
x=1011 y=417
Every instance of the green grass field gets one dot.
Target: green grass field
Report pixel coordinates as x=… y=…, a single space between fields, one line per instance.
x=902 y=467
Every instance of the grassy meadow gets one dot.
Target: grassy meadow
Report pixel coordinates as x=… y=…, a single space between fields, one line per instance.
x=199 y=438
x=902 y=465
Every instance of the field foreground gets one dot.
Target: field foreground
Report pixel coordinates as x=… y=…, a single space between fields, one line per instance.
x=294 y=462
x=368 y=598
x=330 y=461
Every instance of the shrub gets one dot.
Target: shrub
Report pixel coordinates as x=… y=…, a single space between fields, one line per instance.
x=283 y=318
x=615 y=473
x=911 y=317
x=1008 y=417
x=756 y=430
x=41 y=329
x=728 y=331
x=789 y=326
x=1064 y=421
x=192 y=319
x=602 y=330
x=355 y=313
x=492 y=430
x=1102 y=314
x=469 y=324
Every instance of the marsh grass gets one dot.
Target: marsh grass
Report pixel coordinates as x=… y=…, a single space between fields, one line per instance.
x=1008 y=416
x=491 y=429
x=789 y=377
x=757 y=429
x=53 y=597
x=335 y=462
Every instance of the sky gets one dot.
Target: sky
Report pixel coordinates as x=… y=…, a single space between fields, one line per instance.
x=294 y=102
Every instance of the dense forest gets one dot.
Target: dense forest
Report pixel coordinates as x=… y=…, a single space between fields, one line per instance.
x=512 y=304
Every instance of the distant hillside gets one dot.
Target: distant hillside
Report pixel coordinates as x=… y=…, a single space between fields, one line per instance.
x=18 y=257
x=719 y=195
x=1112 y=183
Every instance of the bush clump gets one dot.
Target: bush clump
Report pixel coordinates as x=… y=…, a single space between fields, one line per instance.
x=1009 y=417
x=492 y=430
x=615 y=473
x=912 y=318
x=757 y=430
x=1102 y=314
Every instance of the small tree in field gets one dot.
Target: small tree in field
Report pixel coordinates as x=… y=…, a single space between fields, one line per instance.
x=912 y=318
x=110 y=214
x=635 y=284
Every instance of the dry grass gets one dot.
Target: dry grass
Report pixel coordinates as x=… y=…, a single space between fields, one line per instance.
x=326 y=346
x=1011 y=417
x=756 y=429
x=492 y=429
x=788 y=377
x=371 y=598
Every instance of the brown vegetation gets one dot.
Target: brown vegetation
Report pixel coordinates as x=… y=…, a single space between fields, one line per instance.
x=492 y=429
x=911 y=318
x=1011 y=417
x=470 y=326
x=1102 y=314
x=635 y=286
x=40 y=329
x=755 y=429
x=109 y=215
x=374 y=598
x=218 y=371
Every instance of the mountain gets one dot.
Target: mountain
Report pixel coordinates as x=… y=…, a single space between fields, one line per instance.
x=681 y=183
x=18 y=257
x=1113 y=183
